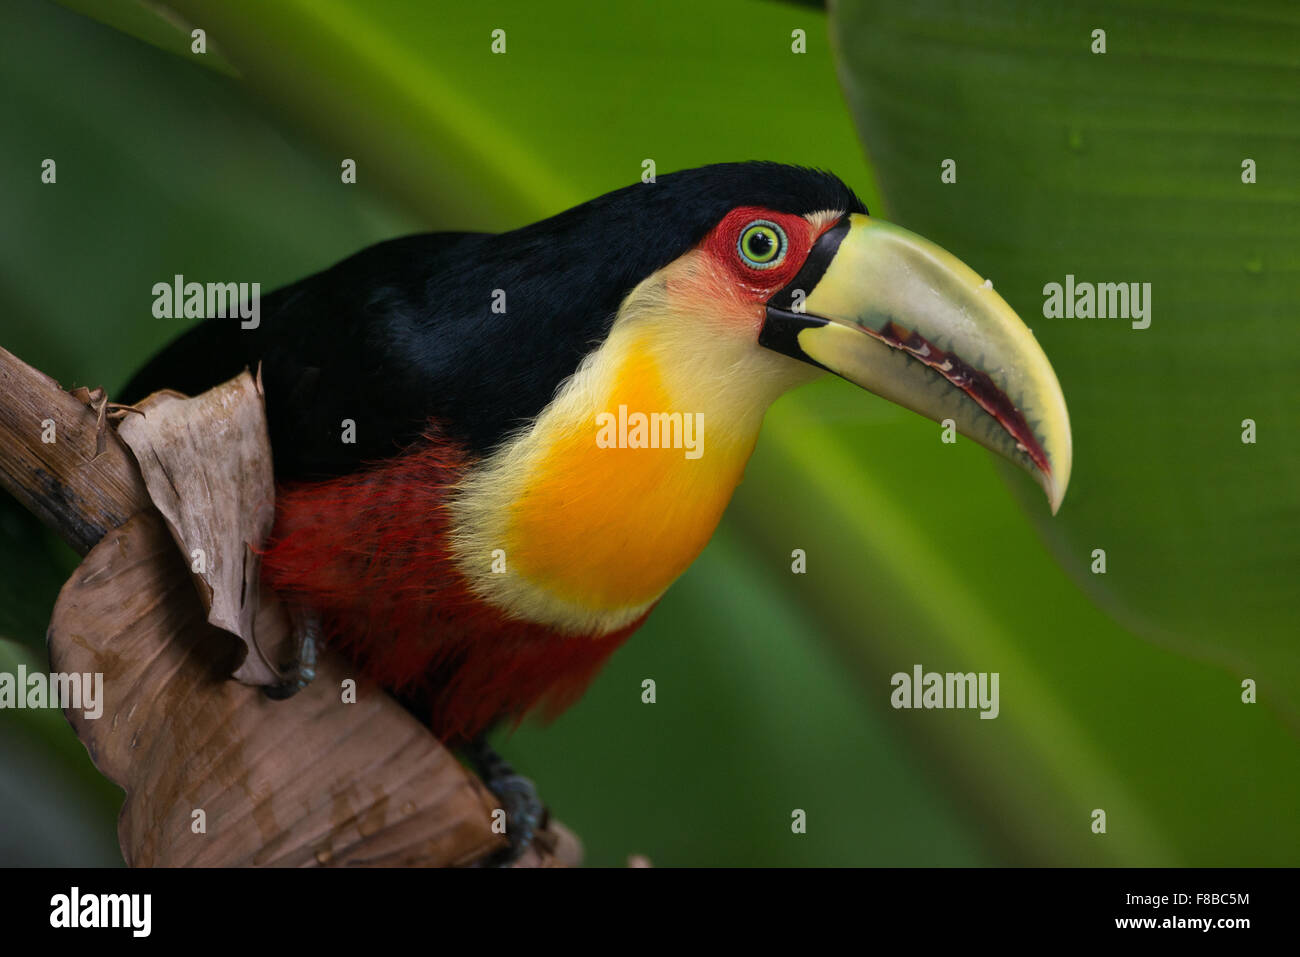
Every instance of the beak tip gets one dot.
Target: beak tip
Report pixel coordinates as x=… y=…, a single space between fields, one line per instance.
x=1061 y=456
x=1054 y=486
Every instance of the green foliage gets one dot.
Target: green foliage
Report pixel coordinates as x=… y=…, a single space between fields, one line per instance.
x=772 y=688
x=1127 y=166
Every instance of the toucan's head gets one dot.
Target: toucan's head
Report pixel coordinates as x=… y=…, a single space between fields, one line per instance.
x=754 y=277
x=648 y=332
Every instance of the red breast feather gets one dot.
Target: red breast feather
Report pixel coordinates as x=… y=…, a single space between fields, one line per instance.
x=366 y=552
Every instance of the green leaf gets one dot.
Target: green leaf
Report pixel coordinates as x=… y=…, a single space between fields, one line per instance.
x=1127 y=166
x=155 y=24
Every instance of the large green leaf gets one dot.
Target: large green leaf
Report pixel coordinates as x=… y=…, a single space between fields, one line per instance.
x=1127 y=166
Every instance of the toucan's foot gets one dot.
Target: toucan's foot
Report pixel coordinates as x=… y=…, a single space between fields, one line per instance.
x=302 y=670
x=525 y=813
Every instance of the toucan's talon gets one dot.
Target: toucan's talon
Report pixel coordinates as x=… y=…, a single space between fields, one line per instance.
x=287 y=688
x=296 y=678
x=302 y=670
x=525 y=813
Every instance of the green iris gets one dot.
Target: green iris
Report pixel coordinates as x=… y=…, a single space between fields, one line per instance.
x=762 y=244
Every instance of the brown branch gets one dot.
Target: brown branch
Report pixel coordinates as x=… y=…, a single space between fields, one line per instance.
x=63 y=482
x=305 y=781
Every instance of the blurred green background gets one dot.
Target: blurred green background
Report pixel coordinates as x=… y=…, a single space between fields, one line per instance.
x=1119 y=692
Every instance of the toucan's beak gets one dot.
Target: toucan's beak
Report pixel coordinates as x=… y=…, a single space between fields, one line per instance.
x=895 y=314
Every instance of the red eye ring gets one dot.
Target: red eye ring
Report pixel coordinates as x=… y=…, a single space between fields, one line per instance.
x=751 y=279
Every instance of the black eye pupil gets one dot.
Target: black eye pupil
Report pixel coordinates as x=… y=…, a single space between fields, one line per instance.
x=760 y=244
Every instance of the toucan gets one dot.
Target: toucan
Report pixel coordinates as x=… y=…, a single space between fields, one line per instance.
x=457 y=512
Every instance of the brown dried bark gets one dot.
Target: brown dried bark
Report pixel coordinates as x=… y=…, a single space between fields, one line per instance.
x=79 y=494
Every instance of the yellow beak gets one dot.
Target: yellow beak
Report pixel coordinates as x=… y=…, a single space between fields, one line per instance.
x=901 y=317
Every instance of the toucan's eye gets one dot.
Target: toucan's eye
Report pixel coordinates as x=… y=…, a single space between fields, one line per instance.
x=761 y=244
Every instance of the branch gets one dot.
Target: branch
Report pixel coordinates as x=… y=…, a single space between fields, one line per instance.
x=48 y=458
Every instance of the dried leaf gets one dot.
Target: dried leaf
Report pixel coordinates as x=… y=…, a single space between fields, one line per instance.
x=310 y=780
x=206 y=462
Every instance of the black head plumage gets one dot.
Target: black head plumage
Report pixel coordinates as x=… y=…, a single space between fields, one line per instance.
x=404 y=331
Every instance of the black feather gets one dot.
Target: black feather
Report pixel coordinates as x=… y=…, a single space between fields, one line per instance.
x=403 y=331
